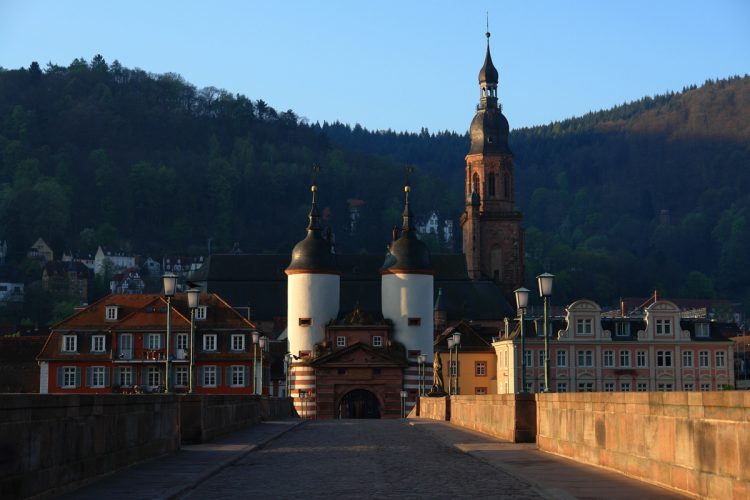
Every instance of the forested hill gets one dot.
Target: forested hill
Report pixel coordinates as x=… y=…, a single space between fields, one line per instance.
x=654 y=193
x=94 y=153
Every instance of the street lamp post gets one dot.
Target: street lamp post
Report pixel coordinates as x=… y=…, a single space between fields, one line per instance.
x=450 y=365
x=170 y=284
x=403 y=403
x=262 y=344
x=193 y=295
x=522 y=301
x=545 y=290
x=256 y=335
x=456 y=344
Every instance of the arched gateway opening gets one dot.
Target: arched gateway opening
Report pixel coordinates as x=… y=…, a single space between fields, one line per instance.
x=359 y=403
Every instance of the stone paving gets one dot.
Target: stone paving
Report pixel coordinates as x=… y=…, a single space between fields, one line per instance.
x=361 y=459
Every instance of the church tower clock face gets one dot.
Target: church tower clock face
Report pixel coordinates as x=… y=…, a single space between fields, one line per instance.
x=491 y=225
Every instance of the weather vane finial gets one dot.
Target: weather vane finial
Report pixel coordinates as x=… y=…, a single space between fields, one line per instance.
x=314 y=186
x=488 y=27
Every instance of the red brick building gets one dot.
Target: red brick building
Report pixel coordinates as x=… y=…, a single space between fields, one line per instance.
x=119 y=344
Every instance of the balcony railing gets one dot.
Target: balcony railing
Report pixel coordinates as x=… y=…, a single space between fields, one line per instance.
x=151 y=355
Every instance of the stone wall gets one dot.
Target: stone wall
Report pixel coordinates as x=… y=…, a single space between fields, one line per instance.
x=434 y=408
x=511 y=417
x=695 y=442
x=53 y=441
x=203 y=417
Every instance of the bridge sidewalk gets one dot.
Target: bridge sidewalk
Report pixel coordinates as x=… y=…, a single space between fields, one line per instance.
x=172 y=475
x=552 y=476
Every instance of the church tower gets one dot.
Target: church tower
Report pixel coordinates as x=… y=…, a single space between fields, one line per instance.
x=491 y=226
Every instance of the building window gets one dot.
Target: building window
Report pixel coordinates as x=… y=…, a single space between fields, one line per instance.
x=96 y=376
x=625 y=386
x=340 y=341
x=153 y=341
x=377 y=341
x=238 y=376
x=642 y=386
x=688 y=386
x=126 y=376
x=153 y=376
x=703 y=359
x=583 y=326
x=506 y=186
x=625 y=359
x=110 y=313
x=69 y=376
x=640 y=359
x=181 y=376
x=687 y=359
x=530 y=387
x=475 y=183
x=622 y=329
x=585 y=387
x=664 y=358
x=181 y=341
x=720 y=359
x=608 y=359
x=209 y=376
x=529 y=358
x=585 y=359
x=562 y=359
x=664 y=387
x=664 y=327
x=705 y=387
x=702 y=330
x=415 y=321
x=209 y=342
x=480 y=368
x=480 y=391
x=238 y=342
x=70 y=343
x=97 y=343
x=491 y=184
x=201 y=312
x=541 y=358
x=562 y=387
x=609 y=387
x=305 y=322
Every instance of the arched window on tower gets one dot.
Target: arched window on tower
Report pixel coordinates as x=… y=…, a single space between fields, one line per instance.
x=475 y=183
x=506 y=185
x=491 y=185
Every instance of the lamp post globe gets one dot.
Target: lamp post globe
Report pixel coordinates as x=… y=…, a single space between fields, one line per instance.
x=169 y=280
x=193 y=296
x=545 y=284
x=522 y=298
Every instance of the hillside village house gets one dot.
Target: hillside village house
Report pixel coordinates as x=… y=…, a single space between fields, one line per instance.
x=71 y=277
x=658 y=351
x=118 y=259
x=41 y=251
x=118 y=344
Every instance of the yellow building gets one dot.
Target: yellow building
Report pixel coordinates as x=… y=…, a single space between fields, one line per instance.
x=471 y=368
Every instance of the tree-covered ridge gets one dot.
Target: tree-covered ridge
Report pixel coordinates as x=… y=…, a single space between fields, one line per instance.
x=94 y=153
x=652 y=193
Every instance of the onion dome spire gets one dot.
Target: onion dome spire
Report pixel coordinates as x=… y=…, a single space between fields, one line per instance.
x=314 y=253
x=407 y=253
x=488 y=73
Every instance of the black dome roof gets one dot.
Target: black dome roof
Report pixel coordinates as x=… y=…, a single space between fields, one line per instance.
x=407 y=253
x=489 y=132
x=488 y=73
x=314 y=252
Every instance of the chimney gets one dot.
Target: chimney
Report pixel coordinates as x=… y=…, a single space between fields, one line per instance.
x=657 y=297
x=622 y=308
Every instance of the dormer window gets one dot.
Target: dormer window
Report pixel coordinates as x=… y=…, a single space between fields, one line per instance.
x=663 y=326
x=70 y=343
x=110 y=313
x=340 y=341
x=701 y=330
x=584 y=326
x=200 y=312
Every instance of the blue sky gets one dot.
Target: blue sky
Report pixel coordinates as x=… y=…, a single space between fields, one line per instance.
x=398 y=64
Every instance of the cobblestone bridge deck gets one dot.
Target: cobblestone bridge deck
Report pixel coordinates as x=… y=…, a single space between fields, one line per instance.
x=364 y=459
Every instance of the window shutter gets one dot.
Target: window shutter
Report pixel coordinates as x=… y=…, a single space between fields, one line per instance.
x=78 y=377
x=106 y=376
x=59 y=377
x=200 y=376
x=162 y=342
x=88 y=376
x=229 y=375
x=116 y=377
x=247 y=376
x=218 y=376
x=144 y=376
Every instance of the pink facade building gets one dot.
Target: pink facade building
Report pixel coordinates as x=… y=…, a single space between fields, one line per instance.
x=657 y=350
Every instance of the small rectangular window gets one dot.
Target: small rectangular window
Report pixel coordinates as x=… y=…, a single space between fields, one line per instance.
x=703 y=359
x=480 y=391
x=68 y=377
x=126 y=376
x=625 y=359
x=182 y=341
x=209 y=376
x=377 y=341
x=625 y=386
x=583 y=326
x=585 y=387
x=642 y=386
x=687 y=359
x=664 y=358
x=238 y=376
x=209 y=342
x=609 y=387
x=562 y=359
x=153 y=341
x=706 y=387
x=702 y=330
x=97 y=343
x=305 y=322
x=70 y=343
x=688 y=387
x=153 y=377
x=238 y=342
x=181 y=376
x=110 y=313
x=562 y=387
x=640 y=359
x=622 y=329
x=608 y=358
x=415 y=321
x=340 y=341
x=201 y=312
x=720 y=359
x=97 y=376
x=480 y=368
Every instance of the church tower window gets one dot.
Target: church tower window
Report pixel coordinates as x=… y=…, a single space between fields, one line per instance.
x=491 y=185
x=475 y=182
